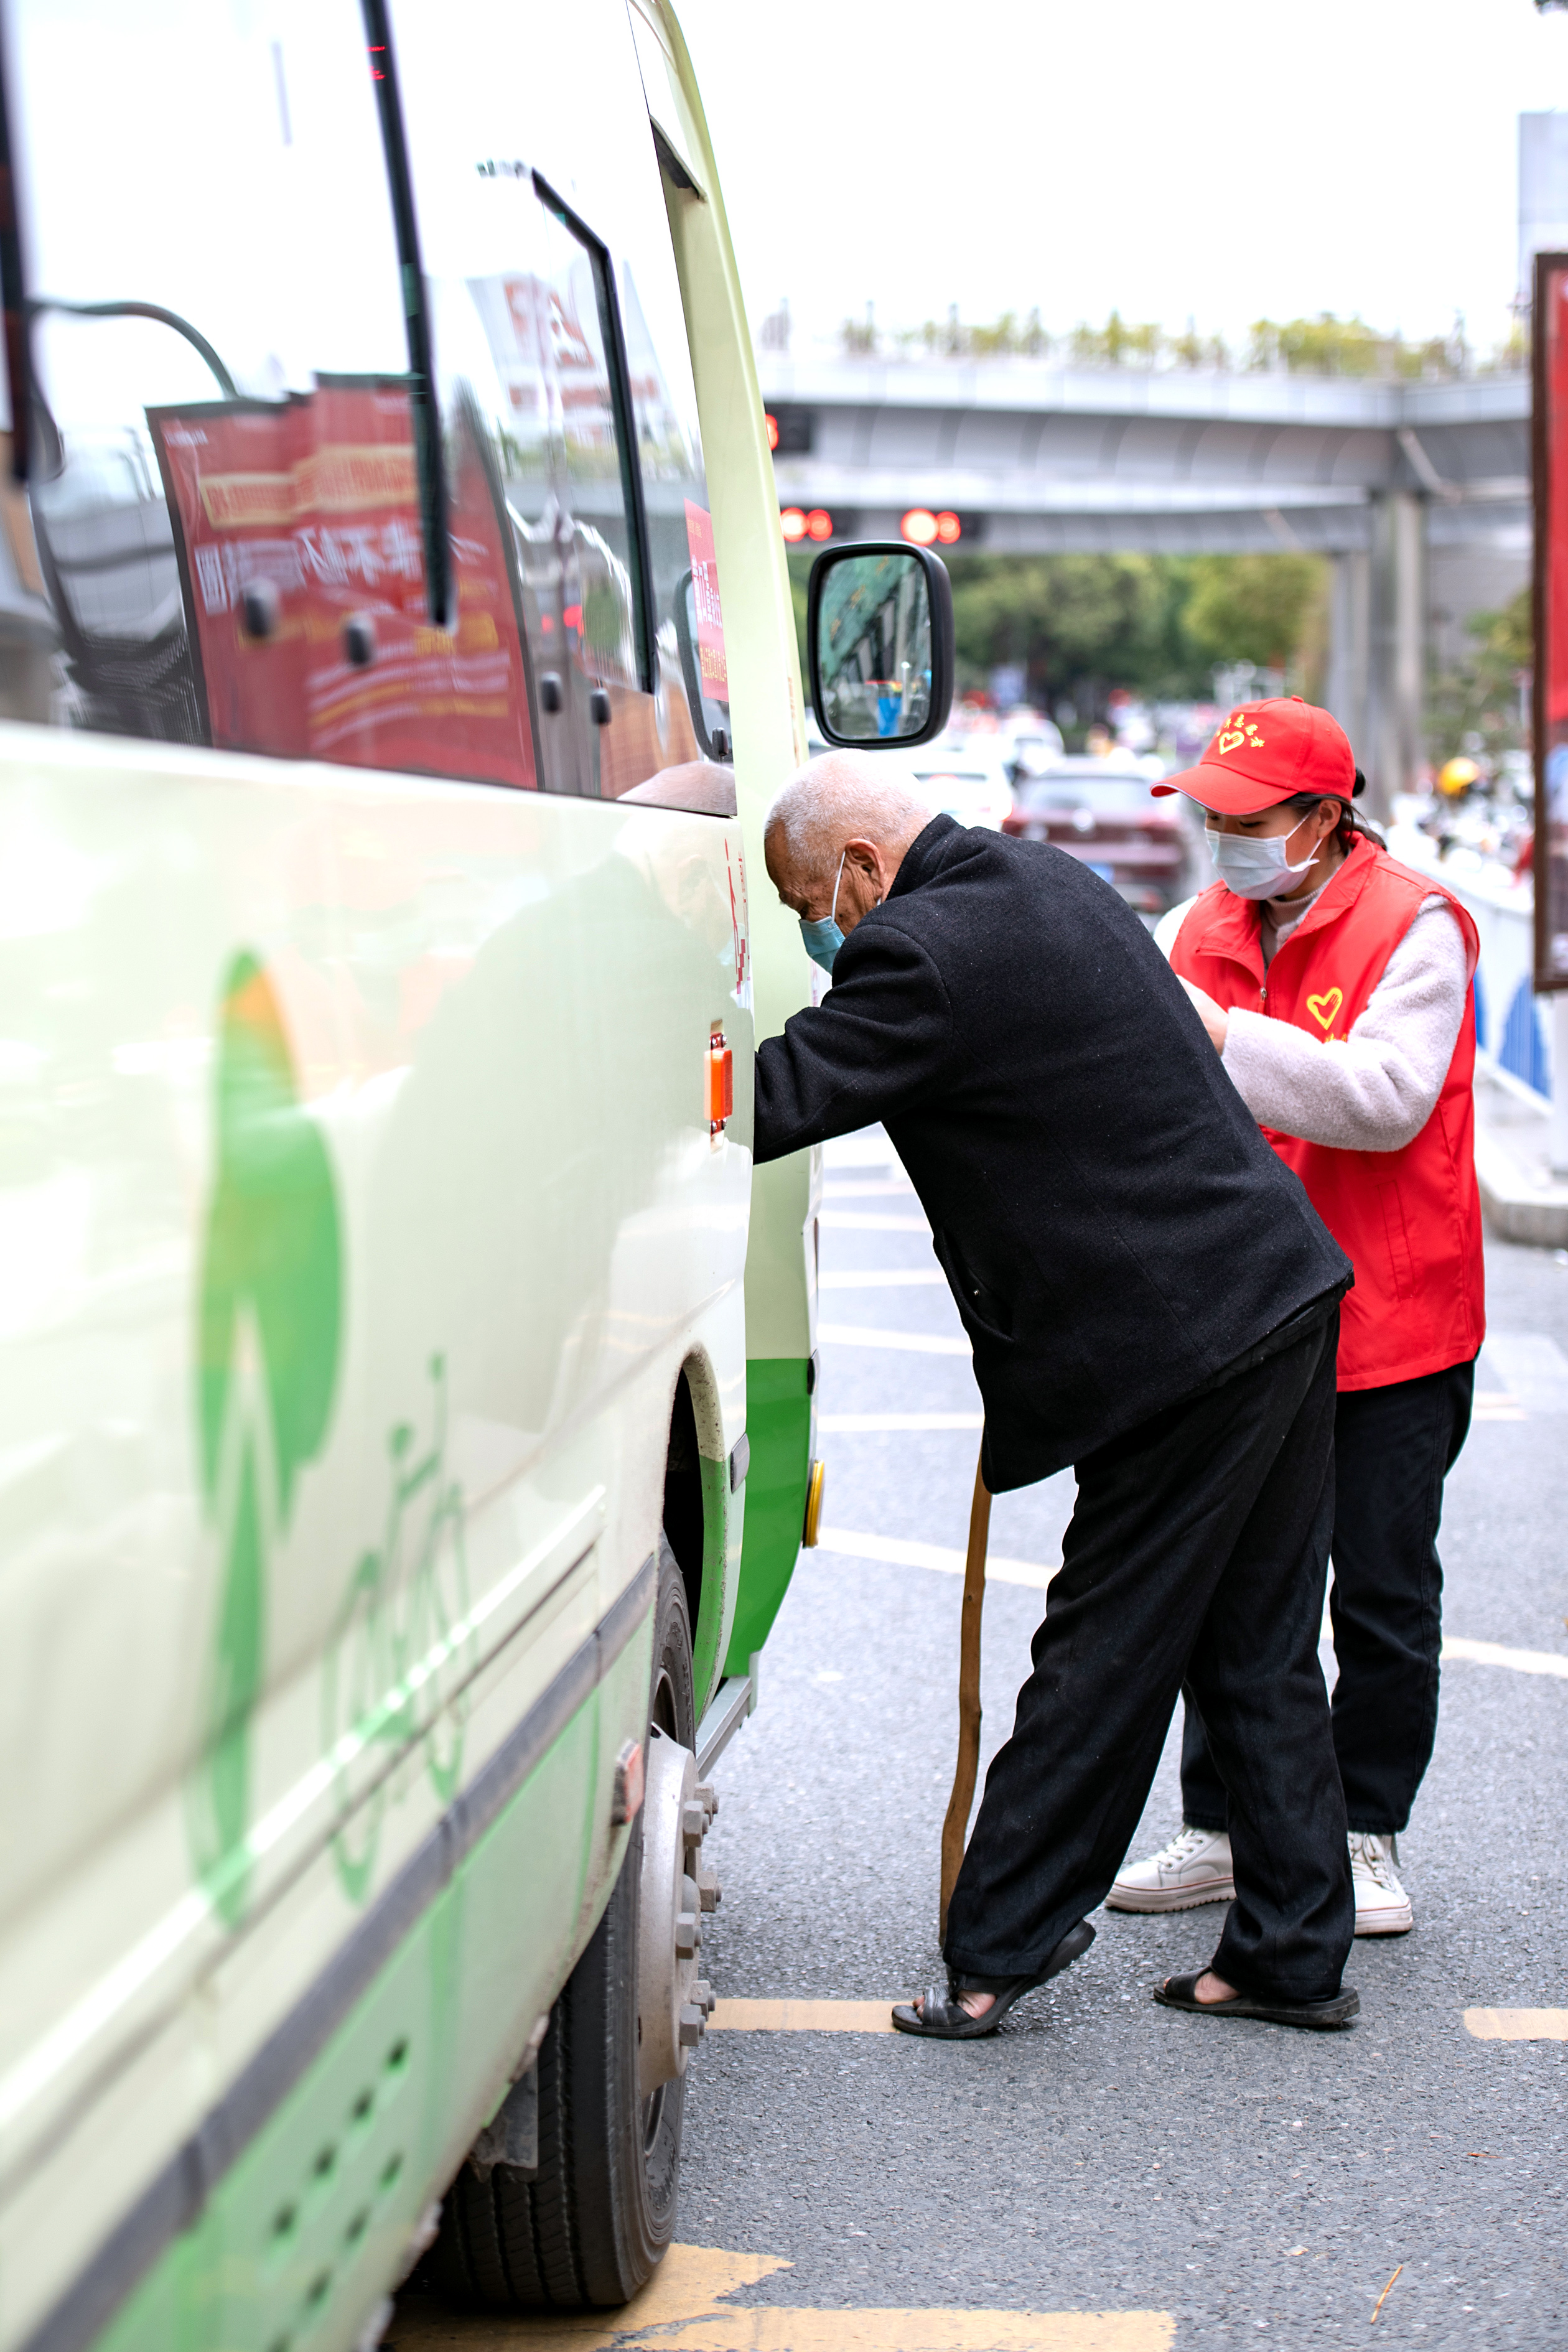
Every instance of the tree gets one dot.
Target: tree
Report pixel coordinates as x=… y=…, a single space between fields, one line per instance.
x=1081 y=624
x=1078 y=624
x=1480 y=697
x=1253 y=608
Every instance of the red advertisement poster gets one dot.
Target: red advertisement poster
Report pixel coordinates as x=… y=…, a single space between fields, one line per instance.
x=315 y=501
x=1550 y=459
x=710 y=612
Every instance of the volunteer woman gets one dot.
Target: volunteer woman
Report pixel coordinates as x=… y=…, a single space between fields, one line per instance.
x=1334 y=982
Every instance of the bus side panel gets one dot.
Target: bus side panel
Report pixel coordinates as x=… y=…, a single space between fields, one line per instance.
x=300 y=2235
x=778 y=1426
x=488 y=1016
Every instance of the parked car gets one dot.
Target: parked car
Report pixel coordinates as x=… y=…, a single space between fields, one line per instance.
x=967 y=781
x=1102 y=811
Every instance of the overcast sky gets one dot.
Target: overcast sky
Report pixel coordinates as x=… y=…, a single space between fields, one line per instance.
x=1225 y=159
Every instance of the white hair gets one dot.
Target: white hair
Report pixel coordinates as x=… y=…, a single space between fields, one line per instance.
x=837 y=797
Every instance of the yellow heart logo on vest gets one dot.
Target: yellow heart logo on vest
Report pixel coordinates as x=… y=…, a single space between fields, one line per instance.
x=1323 y=1009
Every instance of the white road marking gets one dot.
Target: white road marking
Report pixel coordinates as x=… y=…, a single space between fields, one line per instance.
x=1493 y=1653
x=860 y=1151
x=902 y=1552
x=914 y=1343
x=1530 y=1366
x=872 y=1221
x=903 y=1341
x=859 y=1189
x=881 y=1278
x=857 y=1425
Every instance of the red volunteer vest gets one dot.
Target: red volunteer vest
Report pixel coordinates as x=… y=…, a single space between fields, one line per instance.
x=1409 y=1221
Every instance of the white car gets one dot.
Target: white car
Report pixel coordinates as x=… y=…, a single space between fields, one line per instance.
x=964 y=780
x=1031 y=745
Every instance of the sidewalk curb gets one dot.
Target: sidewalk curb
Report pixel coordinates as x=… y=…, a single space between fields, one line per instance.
x=1515 y=1209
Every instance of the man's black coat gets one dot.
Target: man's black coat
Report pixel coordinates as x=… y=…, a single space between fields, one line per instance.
x=1113 y=1225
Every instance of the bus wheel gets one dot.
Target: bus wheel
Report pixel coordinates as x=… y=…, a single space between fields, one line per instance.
x=587 y=2223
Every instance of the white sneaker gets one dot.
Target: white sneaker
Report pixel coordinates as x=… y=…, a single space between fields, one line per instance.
x=1381 y=1906
x=1195 y=1868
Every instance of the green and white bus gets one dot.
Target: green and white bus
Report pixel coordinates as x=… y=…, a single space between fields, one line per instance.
x=407 y=1421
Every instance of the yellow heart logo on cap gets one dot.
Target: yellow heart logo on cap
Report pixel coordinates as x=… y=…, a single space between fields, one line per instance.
x=1240 y=731
x=1324 y=1008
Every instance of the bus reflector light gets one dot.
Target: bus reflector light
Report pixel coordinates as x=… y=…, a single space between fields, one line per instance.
x=814 y=1478
x=721 y=1083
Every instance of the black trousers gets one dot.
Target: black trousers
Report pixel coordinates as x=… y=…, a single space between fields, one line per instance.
x=1197 y=1553
x=1393 y=1449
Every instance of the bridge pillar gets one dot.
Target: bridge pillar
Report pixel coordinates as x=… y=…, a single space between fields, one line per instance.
x=1349 y=644
x=1391 y=747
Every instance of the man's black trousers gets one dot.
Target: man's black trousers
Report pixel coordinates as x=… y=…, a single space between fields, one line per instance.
x=1197 y=1553
x=1393 y=1449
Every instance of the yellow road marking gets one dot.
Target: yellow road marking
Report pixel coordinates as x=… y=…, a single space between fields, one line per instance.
x=911 y=1343
x=780 y=2329
x=688 y=2285
x=804 y=2016
x=677 y=2311
x=1492 y=1654
x=903 y=1552
x=1517 y=2024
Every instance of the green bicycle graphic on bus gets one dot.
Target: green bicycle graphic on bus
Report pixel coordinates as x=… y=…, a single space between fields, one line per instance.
x=399 y=1643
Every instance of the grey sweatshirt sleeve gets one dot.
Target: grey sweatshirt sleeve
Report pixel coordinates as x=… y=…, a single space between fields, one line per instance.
x=1375 y=1090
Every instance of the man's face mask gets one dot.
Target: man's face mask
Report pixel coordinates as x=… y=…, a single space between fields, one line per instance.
x=822 y=938
x=1256 y=868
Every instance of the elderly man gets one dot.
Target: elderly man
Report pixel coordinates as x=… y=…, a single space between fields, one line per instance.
x=1149 y=1298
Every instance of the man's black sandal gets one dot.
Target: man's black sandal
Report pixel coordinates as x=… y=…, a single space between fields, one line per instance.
x=1326 y=2016
x=941 y=2017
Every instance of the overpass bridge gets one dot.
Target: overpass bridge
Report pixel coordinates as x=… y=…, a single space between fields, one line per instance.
x=1418 y=493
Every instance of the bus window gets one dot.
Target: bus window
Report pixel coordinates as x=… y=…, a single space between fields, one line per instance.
x=223 y=499
x=521 y=348
x=674 y=486
x=597 y=448
x=541 y=331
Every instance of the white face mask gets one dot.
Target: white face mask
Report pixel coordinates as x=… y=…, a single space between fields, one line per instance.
x=1256 y=868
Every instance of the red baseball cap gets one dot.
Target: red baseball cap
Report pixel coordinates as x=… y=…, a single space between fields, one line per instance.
x=1269 y=751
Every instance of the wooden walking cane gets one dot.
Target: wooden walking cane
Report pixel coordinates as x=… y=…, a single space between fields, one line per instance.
x=955 y=1828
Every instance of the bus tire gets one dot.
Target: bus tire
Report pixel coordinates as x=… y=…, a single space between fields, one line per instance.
x=586 y=2226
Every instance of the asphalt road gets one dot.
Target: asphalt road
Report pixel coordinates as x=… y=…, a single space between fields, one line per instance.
x=1190 y=2182
x=1101 y=2153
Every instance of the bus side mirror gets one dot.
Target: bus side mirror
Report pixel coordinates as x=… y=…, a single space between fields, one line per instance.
x=879 y=630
